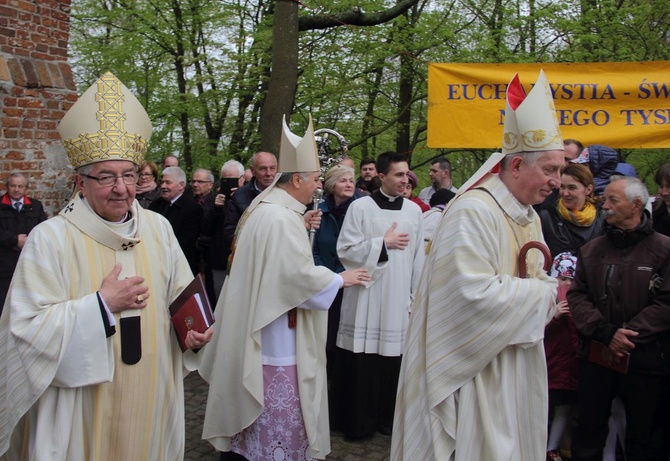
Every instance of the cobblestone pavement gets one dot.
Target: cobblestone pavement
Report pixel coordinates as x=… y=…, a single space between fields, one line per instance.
x=195 y=394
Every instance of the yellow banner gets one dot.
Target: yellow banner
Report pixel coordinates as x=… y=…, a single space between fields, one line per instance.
x=613 y=103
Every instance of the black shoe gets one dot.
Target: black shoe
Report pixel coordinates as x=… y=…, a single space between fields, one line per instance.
x=385 y=429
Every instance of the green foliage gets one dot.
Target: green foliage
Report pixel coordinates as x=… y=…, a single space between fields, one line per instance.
x=201 y=67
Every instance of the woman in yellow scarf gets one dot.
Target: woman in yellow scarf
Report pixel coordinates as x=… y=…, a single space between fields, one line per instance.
x=576 y=219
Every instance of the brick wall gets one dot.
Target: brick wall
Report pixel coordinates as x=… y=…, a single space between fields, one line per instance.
x=36 y=89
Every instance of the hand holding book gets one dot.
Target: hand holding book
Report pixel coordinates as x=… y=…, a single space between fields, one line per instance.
x=191 y=315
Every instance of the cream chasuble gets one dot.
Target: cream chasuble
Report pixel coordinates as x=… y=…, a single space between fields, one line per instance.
x=65 y=393
x=273 y=271
x=473 y=384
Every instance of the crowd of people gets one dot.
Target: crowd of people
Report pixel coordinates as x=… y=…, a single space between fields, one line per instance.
x=421 y=317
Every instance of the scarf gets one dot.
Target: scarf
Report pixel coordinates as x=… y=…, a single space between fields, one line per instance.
x=146 y=188
x=581 y=218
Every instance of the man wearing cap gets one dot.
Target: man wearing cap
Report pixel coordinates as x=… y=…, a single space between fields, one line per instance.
x=90 y=367
x=473 y=383
x=266 y=366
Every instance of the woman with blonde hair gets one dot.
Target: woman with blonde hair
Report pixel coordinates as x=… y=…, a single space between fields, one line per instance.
x=339 y=192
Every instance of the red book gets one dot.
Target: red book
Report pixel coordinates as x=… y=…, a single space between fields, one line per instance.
x=191 y=310
x=597 y=355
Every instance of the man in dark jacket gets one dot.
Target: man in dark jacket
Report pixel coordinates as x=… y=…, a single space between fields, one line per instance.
x=184 y=214
x=19 y=214
x=620 y=298
x=264 y=168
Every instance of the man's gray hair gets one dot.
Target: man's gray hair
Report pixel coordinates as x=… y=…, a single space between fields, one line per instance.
x=528 y=157
x=253 y=158
x=16 y=174
x=176 y=173
x=634 y=189
x=285 y=178
x=231 y=164
x=210 y=176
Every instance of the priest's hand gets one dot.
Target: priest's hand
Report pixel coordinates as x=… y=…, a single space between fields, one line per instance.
x=313 y=219
x=195 y=340
x=121 y=295
x=395 y=240
x=354 y=277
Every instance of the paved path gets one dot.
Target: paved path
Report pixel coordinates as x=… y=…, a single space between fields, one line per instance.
x=195 y=394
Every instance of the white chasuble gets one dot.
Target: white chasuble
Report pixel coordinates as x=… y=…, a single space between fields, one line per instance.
x=65 y=393
x=473 y=383
x=272 y=272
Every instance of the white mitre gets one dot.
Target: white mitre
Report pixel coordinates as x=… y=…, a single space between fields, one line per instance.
x=296 y=154
x=531 y=124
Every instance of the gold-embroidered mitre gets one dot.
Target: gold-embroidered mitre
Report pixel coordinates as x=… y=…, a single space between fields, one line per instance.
x=106 y=123
x=531 y=124
x=296 y=154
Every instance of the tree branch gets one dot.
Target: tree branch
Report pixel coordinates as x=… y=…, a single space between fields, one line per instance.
x=354 y=17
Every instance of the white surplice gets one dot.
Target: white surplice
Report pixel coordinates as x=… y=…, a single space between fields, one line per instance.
x=374 y=318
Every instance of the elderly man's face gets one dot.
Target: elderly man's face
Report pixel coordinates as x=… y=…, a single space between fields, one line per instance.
x=264 y=170
x=538 y=181
x=171 y=187
x=109 y=202
x=308 y=186
x=201 y=184
x=619 y=211
x=16 y=187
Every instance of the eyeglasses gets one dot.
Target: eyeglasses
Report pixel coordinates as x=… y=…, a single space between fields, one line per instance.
x=199 y=181
x=107 y=180
x=144 y=175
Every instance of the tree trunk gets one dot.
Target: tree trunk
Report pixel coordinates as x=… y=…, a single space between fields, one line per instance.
x=284 y=76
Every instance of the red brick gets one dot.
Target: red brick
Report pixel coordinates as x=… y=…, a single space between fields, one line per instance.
x=26 y=6
x=7 y=12
x=46 y=125
x=28 y=124
x=13 y=112
x=26 y=134
x=14 y=155
x=7 y=32
x=11 y=122
x=16 y=72
x=44 y=75
x=4 y=71
x=27 y=102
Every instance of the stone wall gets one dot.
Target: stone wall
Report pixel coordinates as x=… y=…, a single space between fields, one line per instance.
x=36 y=89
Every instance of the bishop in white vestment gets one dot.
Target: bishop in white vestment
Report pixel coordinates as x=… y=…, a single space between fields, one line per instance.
x=473 y=385
x=266 y=365
x=90 y=367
